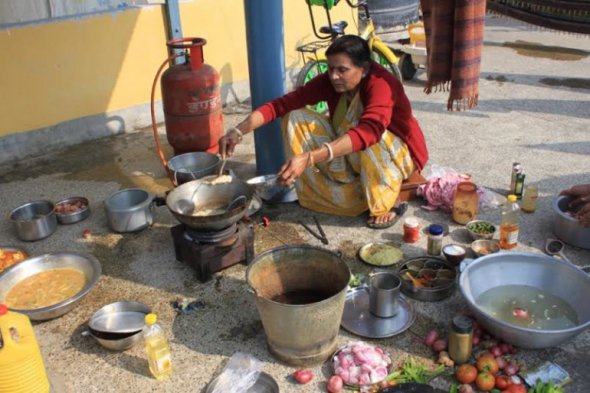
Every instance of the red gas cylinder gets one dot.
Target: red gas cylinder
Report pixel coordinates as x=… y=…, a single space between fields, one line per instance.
x=192 y=100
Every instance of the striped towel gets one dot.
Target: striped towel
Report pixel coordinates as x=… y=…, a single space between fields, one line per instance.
x=454 y=39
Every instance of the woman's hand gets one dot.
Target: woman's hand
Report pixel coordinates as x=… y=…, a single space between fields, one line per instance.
x=292 y=169
x=581 y=194
x=228 y=142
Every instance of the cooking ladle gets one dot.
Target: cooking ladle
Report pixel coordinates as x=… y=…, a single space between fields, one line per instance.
x=555 y=247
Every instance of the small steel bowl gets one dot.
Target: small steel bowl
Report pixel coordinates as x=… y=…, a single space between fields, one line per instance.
x=484 y=247
x=34 y=220
x=444 y=287
x=477 y=235
x=29 y=267
x=73 y=217
x=566 y=226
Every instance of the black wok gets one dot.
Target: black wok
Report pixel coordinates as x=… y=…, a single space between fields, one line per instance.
x=200 y=194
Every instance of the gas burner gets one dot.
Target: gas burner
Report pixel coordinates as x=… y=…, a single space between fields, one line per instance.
x=210 y=237
x=210 y=252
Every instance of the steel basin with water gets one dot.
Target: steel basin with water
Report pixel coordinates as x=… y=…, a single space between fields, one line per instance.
x=193 y=166
x=304 y=332
x=555 y=276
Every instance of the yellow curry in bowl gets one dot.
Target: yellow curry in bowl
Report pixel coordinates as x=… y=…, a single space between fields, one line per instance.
x=45 y=289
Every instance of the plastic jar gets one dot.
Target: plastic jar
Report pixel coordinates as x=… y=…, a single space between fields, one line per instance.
x=465 y=203
x=435 y=237
x=460 y=339
x=529 y=203
x=411 y=230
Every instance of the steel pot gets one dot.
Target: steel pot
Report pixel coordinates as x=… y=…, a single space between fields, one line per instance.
x=193 y=166
x=558 y=277
x=34 y=220
x=130 y=210
x=568 y=228
x=189 y=197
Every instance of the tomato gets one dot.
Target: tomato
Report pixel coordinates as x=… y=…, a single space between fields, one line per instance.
x=485 y=381
x=503 y=381
x=487 y=363
x=514 y=388
x=303 y=376
x=466 y=373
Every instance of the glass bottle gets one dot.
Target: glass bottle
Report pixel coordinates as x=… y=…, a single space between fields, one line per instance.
x=529 y=203
x=465 y=203
x=157 y=349
x=460 y=339
x=411 y=230
x=435 y=237
x=509 y=225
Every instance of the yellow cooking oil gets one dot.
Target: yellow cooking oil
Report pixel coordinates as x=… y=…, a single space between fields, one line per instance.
x=21 y=364
x=157 y=349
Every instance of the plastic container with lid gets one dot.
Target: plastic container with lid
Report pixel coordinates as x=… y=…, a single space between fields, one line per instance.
x=411 y=230
x=460 y=339
x=21 y=363
x=157 y=349
x=509 y=225
x=435 y=237
x=529 y=202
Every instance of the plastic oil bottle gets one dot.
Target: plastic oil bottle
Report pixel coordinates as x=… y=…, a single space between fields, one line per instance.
x=509 y=225
x=157 y=349
x=21 y=364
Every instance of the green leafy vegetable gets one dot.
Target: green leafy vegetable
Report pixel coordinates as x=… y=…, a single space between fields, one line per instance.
x=545 y=387
x=411 y=371
x=482 y=227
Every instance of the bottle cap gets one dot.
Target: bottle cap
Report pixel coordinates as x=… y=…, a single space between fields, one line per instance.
x=3 y=309
x=512 y=198
x=150 y=319
x=435 y=229
x=411 y=222
x=462 y=324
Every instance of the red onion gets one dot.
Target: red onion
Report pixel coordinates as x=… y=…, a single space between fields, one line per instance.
x=335 y=384
x=475 y=340
x=505 y=348
x=439 y=345
x=496 y=351
x=510 y=369
x=501 y=362
x=430 y=337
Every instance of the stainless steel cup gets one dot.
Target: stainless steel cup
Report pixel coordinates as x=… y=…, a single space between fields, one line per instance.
x=384 y=291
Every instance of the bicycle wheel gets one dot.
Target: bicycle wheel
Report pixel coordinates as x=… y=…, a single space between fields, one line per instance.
x=310 y=70
x=380 y=58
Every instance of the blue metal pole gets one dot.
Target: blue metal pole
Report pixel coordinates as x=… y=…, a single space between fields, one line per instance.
x=174 y=26
x=266 y=64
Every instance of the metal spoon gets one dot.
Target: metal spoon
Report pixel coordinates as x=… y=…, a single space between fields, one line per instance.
x=555 y=247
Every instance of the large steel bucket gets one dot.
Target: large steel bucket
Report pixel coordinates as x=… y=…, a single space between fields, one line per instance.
x=555 y=276
x=299 y=334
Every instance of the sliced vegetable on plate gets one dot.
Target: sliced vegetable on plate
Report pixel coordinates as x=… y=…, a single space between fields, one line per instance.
x=380 y=254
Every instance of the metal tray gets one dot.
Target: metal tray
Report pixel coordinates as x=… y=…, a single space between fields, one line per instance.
x=358 y=320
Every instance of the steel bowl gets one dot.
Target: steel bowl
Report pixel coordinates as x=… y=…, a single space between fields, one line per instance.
x=483 y=247
x=119 y=318
x=130 y=210
x=558 y=277
x=566 y=227
x=442 y=288
x=34 y=220
x=73 y=217
x=29 y=267
x=117 y=342
x=118 y=326
x=454 y=253
x=192 y=166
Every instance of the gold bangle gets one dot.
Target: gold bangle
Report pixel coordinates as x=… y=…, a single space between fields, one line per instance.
x=330 y=151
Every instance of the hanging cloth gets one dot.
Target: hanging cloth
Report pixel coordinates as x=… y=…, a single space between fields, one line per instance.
x=454 y=39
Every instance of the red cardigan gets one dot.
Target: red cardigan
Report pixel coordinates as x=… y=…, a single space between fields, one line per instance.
x=385 y=103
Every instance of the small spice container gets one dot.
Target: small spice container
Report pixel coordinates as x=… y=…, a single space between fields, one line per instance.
x=460 y=339
x=465 y=203
x=435 y=237
x=411 y=230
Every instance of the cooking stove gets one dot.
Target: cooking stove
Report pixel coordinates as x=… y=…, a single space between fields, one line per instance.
x=210 y=252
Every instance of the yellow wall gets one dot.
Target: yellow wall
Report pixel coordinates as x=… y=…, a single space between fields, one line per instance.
x=63 y=70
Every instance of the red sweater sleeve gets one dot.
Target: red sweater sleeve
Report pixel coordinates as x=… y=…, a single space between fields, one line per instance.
x=316 y=90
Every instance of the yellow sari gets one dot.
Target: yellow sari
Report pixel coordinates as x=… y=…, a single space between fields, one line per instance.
x=349 y=185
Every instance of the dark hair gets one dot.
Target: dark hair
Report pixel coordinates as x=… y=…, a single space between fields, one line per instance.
x=354 y=46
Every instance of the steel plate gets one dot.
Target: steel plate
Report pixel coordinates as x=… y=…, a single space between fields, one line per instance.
x=358 y=320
